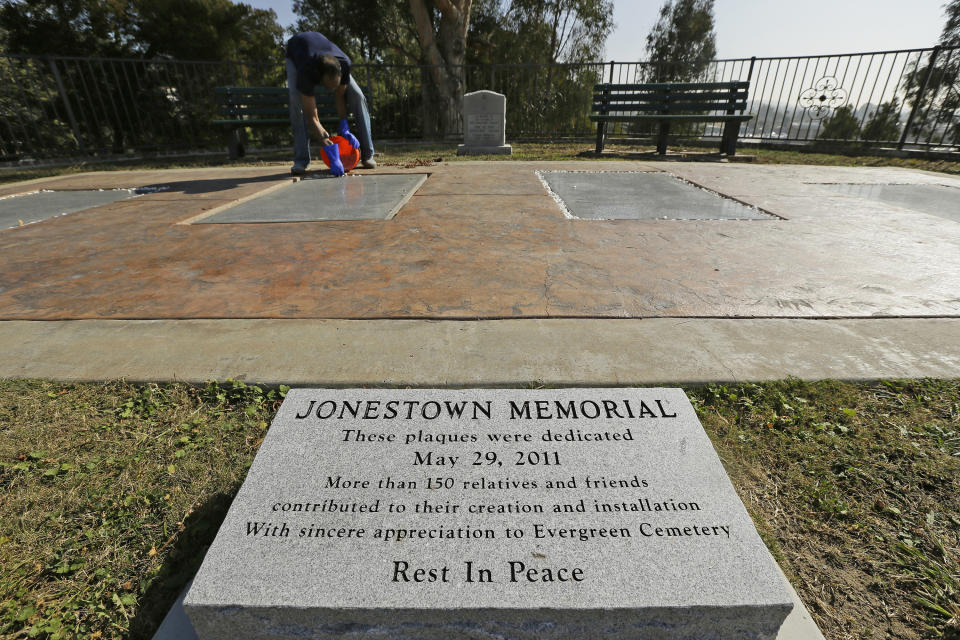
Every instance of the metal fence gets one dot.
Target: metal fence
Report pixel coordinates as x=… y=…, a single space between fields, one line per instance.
x=64 y=106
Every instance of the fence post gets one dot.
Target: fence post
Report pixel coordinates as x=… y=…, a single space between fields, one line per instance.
x=919 y=98
x=753 y=60
x=610 y=79
x=66 y=101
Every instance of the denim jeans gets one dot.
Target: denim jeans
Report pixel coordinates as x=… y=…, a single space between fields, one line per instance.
x=356 y=104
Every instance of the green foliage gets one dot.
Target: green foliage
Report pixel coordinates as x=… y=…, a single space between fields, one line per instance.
x=28 y=94
x=145 y=402
x=937 y=109
x=119 y=106
x=184 y=29
x=544 y=32
x=950 y=36
x=842 y=125
x=682 y=43
x=540 y=31
x=235 y=393
x=379 y=31
x=72 y=28
x=207 y=30
x=500 y=31
x=884 y=124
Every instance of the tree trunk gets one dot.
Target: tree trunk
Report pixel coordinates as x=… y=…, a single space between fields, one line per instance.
x=444 y=47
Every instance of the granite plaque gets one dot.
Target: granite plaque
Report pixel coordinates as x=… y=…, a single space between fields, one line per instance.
x=640 y=195
x=526 y=514
x=21 y=209
x=314 y=199
x=484 y=124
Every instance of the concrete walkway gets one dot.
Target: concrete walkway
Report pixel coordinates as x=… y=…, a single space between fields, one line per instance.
x=593 y=352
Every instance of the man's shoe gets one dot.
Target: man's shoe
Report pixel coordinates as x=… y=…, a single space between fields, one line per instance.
x=369 y=163
x=298 y=169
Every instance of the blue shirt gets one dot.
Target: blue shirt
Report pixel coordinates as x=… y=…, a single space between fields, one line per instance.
x=305 y=50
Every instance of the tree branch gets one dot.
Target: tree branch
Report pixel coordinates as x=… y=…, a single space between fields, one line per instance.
x=448 y=9
x=427 y=41
x=465 y=22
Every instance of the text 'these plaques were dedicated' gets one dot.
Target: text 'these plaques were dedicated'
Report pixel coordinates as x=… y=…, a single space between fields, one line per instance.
x=577 y=513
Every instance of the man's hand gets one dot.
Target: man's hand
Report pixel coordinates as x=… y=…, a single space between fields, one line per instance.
x=333 y=155
x=345 y=132
x=316 y=129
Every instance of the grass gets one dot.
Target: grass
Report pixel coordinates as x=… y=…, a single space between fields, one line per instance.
x=110 y=492
x=425 y=154
x=857 y=489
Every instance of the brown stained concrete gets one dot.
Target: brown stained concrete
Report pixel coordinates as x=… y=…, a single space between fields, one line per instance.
x=484 y=240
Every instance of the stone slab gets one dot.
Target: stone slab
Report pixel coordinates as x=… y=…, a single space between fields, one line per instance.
x=629 y=195
x=41 y=205
x=616 y=520
x=352 y=197
x=934 y=199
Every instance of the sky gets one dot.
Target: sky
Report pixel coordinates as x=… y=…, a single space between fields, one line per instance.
x=766 y=28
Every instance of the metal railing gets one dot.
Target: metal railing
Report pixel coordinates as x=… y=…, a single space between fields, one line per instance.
x=56 y=106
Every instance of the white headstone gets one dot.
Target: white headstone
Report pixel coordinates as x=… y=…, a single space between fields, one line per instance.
x=515 y=514
x=484 y=124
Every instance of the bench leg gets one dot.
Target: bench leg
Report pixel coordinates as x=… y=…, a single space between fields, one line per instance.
x=728 y=142
x=601 y=134
x=235 y=144
x=662 y=138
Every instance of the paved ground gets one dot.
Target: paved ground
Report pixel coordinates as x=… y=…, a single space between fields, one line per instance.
x=486 y=240
x=843 y=286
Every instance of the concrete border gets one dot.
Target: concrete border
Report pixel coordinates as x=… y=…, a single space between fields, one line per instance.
x=432 y=353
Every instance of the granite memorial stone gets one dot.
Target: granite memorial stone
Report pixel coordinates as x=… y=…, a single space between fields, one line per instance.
x=484 y=124
x=515 y=514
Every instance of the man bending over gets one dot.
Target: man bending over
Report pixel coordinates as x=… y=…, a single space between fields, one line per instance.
x=313 y=60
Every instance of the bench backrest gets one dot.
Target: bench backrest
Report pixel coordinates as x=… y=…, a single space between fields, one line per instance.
x=243 y=102
x=671 y=97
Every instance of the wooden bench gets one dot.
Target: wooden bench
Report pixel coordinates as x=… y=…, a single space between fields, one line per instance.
x=242 y=107
x=668 y=102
